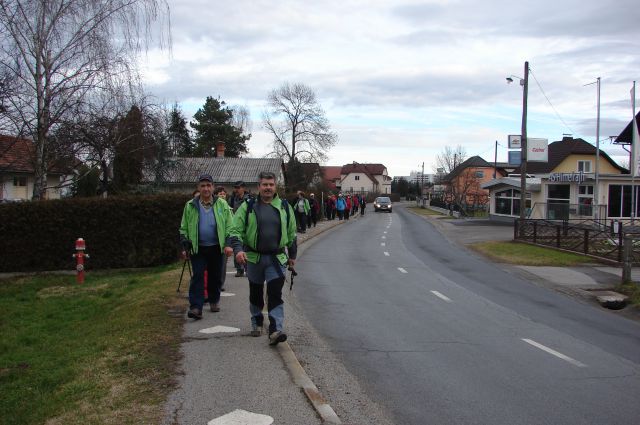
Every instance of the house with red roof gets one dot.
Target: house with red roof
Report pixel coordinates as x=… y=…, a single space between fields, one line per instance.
x=17 y=175
x=365 y=179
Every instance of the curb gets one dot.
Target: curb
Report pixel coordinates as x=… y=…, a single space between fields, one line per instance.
x=298 y=374
x=300 y=378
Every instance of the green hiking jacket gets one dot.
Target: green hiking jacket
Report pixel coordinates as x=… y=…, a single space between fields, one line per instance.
x=307 y=208
x=247 y=236
x=191 y=216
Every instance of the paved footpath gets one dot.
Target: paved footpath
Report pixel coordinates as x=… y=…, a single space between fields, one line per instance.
x=229 y=377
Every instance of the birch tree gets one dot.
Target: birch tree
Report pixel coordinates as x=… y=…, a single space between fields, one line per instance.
x=61 y=50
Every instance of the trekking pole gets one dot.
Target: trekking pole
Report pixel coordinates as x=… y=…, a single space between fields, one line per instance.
x=294 y=273
x=187 y=262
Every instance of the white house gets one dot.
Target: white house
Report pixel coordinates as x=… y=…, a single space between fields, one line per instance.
x=365 y=179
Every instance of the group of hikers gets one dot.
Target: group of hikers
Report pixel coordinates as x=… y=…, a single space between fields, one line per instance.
x=260 y=233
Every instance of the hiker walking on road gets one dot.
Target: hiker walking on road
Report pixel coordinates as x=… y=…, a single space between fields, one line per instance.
x=341 y=206
x=204 y=229
x=302 y=209
x=314 y=209
x=237 y=198
x=262 y=234
x=363 y=205
x=220 y=192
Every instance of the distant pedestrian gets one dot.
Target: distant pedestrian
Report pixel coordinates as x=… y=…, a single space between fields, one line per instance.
x=314 y=210
x=363 y=205
x=238 y=196
x=356 y=204
x=341 y=206
x=262 y=234
x=302 y=209
x=220 y=192
x=204 y=229
x=347 y=209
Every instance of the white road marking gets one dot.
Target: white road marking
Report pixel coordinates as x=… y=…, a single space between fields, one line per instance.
x=242 y=417
x=554 y=352
x=443 y=297
x=231 y=272
x=385 y=233
x=382 y=244
x=386 y=253
x=227 y=294
x=219 y=329
x=384 y=237
x=402 y=270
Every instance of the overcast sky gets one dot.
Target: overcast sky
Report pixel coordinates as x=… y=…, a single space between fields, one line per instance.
x=400 y=80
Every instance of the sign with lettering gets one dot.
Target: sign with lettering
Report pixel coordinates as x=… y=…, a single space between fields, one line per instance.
x=514 y=141
x=514 y=158
x=567 y=177
x=537 y=150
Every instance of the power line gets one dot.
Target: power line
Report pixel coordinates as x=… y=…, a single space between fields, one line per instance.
x=549 y=101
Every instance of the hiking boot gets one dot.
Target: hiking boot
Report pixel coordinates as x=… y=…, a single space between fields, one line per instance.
x=256 y=330
x=277 y=337
x=195 y=313
x=215 y=307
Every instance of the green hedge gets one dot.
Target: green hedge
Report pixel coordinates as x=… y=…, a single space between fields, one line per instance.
x=132 y=231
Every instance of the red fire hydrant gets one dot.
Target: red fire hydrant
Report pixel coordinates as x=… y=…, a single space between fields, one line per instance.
x=80 y=256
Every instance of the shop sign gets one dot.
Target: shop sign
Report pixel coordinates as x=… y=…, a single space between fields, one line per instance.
x=567 y=177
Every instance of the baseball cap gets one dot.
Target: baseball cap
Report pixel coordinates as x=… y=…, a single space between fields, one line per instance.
x=239 y=183
x=205 y=177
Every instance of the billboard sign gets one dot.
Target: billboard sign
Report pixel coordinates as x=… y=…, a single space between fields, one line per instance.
x=515 y=158
x=537 y=150
x=514 y=141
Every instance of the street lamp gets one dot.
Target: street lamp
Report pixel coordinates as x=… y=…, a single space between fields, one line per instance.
x=524 y=82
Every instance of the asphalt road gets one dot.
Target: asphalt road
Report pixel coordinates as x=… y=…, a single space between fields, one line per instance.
x=435 y=334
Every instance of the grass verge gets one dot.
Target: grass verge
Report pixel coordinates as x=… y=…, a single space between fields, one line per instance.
x=632 y=290
x=528 y=255
x=104 y=352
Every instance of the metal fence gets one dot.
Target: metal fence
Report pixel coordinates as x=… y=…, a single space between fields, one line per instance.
x=582 y=236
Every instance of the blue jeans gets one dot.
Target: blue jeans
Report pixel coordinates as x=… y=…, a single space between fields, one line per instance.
x=208 y=258
x=266 y=270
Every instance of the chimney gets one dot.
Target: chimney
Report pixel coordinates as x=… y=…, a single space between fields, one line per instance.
x=220 y=150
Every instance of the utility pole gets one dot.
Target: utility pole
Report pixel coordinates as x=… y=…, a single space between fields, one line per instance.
x=523 y=145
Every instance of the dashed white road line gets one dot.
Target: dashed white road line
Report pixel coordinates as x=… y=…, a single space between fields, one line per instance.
x=384 y=237
x=240 y=416
x=386 y=253
x=554 y=353
x=227 y=294
x=385 y=233
x=442 y=297
x=382 y=244
x=402 y=270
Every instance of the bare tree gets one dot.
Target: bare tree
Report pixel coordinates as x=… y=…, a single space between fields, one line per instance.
x=298 y=124
x=61 y=50
x=449 y=159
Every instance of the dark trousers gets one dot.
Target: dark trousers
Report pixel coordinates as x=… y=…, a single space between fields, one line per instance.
x=346 y=213
x=274 y=302
x=301 y=219
x=362 y=209
x=340 y=214
x=208 y=258
x=313 y=218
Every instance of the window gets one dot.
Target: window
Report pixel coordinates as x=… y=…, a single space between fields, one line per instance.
x=619 y=204
x=480 y=174
x=585 y=200
x=558 y=201
x=357 y=177
x=508 y=202
x=19 y=181
x=584 y=166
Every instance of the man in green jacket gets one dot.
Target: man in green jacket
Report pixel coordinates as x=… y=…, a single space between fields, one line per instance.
x=263 y=237
x=203 y=234
x=302 y=209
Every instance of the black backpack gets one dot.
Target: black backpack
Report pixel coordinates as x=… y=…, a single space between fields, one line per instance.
x=252 y=201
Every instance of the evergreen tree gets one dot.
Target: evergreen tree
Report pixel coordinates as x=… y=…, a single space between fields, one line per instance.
x=213 y=123
x=129 y=152
x=179 y=138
